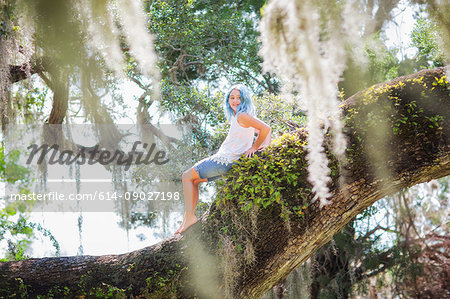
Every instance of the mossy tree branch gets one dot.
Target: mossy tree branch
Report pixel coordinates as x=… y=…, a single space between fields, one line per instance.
x=263 y=225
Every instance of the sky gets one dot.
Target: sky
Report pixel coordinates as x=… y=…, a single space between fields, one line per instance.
x=398 y=32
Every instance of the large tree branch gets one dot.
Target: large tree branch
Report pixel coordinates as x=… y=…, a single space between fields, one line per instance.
x=413 y=109
x=58 y=84
x=24 y=71
x=60 y=99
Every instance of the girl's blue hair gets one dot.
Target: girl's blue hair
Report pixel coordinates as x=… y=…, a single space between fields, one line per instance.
x=246 y=104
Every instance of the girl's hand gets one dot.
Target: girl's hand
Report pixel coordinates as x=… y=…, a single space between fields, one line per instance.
x=250 y=152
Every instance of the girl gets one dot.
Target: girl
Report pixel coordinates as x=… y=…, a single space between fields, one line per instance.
x=240 y=111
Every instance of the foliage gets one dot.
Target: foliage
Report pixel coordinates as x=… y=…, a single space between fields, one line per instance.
x=15 y=229
x=195 y=109
x=274 y=182
x=206 y=41
x=164 y=285
x=7 y=19
x=424 y=37
x=273 y=178
x=16 y=232
x=406 y=245
x=382 y=65
x=281 y=114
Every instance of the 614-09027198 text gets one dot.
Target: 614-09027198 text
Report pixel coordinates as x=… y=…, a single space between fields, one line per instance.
x=97 y=195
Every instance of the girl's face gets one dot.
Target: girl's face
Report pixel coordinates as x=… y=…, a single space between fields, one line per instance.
x=234 y=99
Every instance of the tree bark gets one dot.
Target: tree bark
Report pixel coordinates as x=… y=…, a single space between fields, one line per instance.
x=196 y=263
x=21 y=72
x=59 y=84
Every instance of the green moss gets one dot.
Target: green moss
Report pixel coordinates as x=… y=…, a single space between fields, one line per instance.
x=401 y=95
x=277 y=177
x=388 y=115
x=164 y=285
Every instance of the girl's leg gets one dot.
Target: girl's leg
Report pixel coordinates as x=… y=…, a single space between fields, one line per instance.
x=196 y=192
x=191 y=180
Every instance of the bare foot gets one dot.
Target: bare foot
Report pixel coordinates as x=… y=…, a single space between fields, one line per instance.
x=186 y=224
x=181 y=226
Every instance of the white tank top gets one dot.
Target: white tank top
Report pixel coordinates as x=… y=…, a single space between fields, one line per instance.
x=238 y=141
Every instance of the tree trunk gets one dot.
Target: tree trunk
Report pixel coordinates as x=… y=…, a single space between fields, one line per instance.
x=209 y=260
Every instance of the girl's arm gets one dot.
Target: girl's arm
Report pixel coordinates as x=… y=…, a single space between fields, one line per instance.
x=246 y=121
x=266 y=141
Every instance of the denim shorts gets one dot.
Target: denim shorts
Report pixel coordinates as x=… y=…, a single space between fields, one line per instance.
x=211 y=170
